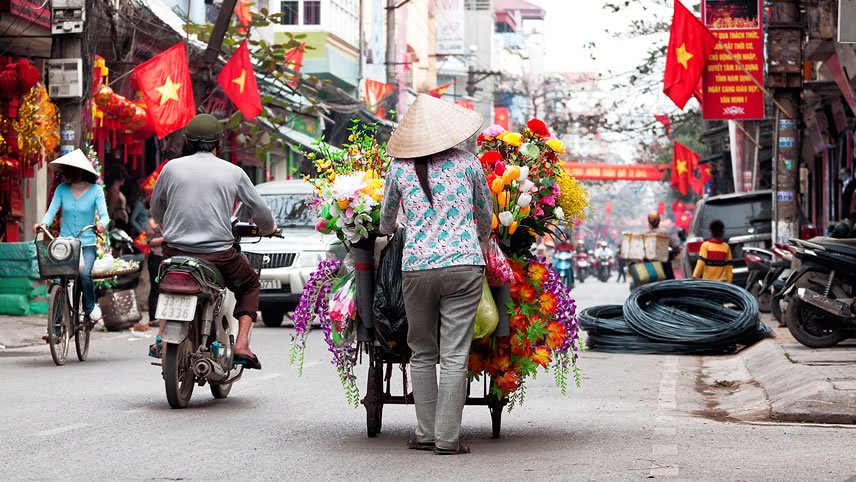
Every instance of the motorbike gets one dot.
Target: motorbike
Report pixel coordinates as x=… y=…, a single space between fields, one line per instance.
x=583 y=266
x=199 y=329
x=604 y=266
x=564 y=267
x=821 y=292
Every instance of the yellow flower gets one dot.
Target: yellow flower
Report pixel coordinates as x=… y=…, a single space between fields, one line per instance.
x=512 y=139
x=573 y=197
x=557 y=146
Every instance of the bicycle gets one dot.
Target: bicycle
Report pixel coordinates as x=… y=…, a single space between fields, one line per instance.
x=59 y=262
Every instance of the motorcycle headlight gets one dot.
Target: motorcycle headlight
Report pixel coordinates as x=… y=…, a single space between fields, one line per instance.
x=60 y=250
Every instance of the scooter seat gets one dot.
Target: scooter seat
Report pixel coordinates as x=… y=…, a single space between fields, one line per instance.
x=843 y=246
x=781 y=264
x=208 y=270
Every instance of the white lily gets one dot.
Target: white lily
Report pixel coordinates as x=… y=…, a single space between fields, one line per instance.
x=527 y=186
x=524 y=173
x=559 y=212
x=524 y=200
x=506 y=218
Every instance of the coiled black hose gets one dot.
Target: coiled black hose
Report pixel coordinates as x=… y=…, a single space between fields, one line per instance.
x=677 y=316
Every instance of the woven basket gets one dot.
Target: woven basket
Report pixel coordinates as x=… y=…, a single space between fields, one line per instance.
x=120 y=309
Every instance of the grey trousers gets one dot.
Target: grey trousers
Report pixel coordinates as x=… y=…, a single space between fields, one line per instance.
x=448 y=297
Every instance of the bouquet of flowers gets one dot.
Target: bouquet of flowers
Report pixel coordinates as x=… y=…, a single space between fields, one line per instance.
x=530 y=187
x=544 y=334
x=349 y=186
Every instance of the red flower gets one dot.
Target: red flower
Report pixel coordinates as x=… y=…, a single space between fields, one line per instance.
x=507 y=383
x=555 y=335
x=499 y=363
x=541 y=356
x=538 y=128
x=480 y=139
x=518 y=322
x=476 y=363
x=548 y=303
x=520 y=345
x=526 y=293
x=490 y=158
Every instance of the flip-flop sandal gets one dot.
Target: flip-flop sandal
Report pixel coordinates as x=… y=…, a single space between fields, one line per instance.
x=415 y=444
x=155 y=348
x=247 y=361
x=462 y=449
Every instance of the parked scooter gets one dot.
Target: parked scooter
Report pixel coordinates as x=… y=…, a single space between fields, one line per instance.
x=199 y=329
x=821 y=292
x=562 y=262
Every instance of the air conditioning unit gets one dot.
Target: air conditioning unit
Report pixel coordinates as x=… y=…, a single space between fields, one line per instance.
x=67 y=16
x=65 y=78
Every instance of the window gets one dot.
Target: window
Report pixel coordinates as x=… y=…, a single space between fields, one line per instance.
x=289 y=12
x=312 y=12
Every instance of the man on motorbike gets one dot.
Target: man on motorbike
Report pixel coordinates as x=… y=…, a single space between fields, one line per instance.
x=602 y=250
x=193 y=201
x=674 y=242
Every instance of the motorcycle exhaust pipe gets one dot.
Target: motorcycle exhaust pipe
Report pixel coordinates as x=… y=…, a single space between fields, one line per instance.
x=826 y=304
x=207 y=369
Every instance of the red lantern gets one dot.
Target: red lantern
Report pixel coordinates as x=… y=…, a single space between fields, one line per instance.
x=9 y=85
x=28 y=75
x=103 y=96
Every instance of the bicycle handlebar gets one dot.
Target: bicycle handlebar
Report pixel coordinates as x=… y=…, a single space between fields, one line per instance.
x=47 y=233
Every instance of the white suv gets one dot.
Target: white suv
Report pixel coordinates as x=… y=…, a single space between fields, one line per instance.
x=286 y=263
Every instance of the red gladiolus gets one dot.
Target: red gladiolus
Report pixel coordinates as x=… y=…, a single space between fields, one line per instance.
x=538 y=128
x=490 y=158
x=499 y=168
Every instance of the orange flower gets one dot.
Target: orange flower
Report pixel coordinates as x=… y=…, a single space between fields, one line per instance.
x=526 y=293
x=524 y=212
x=494 y=222
x=502 y=198
x=497 y=185
x=513 y=227
x=507 y=383
x=537 y=272
x=518 y=322
x=548 y=303
x=541 y=356
x=555 y=335
x=520 y=345
x=500 y=363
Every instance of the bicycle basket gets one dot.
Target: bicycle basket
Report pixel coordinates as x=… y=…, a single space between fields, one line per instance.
x=60 y=257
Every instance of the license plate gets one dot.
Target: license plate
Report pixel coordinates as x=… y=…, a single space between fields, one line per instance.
x=176 y=307
x=271 y=284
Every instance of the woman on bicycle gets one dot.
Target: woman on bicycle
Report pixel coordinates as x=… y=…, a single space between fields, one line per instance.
x=80 y=198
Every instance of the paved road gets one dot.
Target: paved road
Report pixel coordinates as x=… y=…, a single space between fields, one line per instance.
x=634 y=417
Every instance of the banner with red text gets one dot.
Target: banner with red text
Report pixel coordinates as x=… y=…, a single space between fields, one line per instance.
x=616 y=172
x=729 y=93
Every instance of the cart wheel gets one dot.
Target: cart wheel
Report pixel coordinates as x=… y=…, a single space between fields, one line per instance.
x=373 y=400
x=495 y=406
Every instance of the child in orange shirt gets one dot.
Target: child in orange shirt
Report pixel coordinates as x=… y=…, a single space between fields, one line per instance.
x=714 y=258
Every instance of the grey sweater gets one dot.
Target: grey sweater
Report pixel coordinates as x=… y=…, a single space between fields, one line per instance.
x=194 y=198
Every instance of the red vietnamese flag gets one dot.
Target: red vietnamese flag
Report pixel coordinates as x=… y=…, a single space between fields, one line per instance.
x=239 y=82
x=165 y=83
x=704 y=173
x=667 y=123
x=501 y=116
x=294 y=61
x=690 y=44
x=466 y=104
x=376 y=91
x=684 y=162
x=439 y=91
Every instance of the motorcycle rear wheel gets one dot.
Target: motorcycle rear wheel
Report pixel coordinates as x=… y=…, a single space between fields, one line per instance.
x=178 y=375
x=221 y=391
x=764 y=299
x=776 y=310
x=810 y=327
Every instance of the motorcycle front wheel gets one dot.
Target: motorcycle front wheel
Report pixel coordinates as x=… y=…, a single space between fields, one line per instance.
x=177 y=373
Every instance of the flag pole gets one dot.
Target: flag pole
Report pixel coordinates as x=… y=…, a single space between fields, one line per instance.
x=754 y=80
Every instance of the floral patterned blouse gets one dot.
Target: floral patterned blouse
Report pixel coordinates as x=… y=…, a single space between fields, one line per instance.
x=448 y=233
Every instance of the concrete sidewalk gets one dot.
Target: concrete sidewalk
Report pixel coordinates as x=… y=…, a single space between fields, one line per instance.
x=20 y=331
x=779 y=379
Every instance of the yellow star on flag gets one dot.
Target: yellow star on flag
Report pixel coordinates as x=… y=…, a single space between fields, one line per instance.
x=241 y=80
x=682 y=167
x=168 y=91
x=683 y=56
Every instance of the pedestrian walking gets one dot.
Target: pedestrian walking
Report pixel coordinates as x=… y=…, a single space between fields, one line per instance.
x=139 y=213
x=439 y=188
x=714 y=257
x=154 y=236
x=79 y=198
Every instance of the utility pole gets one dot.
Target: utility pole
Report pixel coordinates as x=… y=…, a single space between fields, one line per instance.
x=391 y=61
x=784 y=68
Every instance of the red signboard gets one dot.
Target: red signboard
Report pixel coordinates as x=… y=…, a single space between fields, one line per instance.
x=616 y=172
x=34 y=11
x=729 y=93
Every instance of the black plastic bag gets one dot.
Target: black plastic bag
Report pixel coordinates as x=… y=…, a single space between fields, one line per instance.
x=390 y=316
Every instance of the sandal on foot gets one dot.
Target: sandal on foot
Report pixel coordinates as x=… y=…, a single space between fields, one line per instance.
x=462 y=449
x=247 y=361
x=415 y=444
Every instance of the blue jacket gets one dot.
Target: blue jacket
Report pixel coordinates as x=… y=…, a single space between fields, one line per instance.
x=78 y=213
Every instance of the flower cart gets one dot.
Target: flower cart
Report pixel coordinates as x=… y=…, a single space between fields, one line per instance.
x=526 y=321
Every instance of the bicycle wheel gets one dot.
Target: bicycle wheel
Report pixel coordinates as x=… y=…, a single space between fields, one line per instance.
x=58 y=323
x=82 y=329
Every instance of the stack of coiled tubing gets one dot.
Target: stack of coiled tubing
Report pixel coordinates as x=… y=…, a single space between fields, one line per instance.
x=677 y=316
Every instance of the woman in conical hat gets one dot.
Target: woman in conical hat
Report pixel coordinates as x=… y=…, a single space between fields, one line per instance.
x=80 y=198
x=448 y=211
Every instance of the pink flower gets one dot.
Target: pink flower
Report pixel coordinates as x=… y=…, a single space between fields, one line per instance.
x=494 y=130
x=556 y=190
x=548 y=200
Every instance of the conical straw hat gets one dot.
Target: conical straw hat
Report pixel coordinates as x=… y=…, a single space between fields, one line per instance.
x=431 y=125
x=75 y=158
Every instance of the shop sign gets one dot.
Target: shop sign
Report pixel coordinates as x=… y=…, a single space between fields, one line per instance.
x=35 y=12
x=728 y=92
x=615 y=172
x=450 y=26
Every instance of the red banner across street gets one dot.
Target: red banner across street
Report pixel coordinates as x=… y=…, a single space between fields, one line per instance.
x=616 y=172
